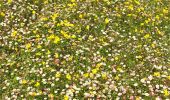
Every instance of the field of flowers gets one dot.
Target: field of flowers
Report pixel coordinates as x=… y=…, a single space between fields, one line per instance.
x=84 y=49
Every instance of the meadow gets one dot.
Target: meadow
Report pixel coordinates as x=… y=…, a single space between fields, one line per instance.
x=84 y=50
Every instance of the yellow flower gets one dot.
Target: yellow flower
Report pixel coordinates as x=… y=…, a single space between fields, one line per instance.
x=2 y=14
x=137 y=2
x=33 y=12
x=160 y=33
x=157 y=74
x=166 y=92
x=24 y=82
x=66 y=97
x=106 y=21
x=86 y=75
x=68 y=76
x=73 y=36
x=119 y=69
x=9 y=1
x=137 y=98
x=130 y=7
x=28 y=46
x=57 y=75
x=139 y=57
x=147 y=36
x=73 y=0
x=37 y=84
x=104 y=75
x=116 y=58
x=65 y=34
x=103 y=58
x=13 y=34
x=141 y=24
x=54 y=16
x=56 y=55
x=165 y=11
x=56 y=39
x=94 y=71
x=168 y=77
x=38 y=53
x=48 y=52
x=117 y=77
x=87 y=27
x=157 y=17
x=99 y=65
x=52 y=36
x=81 y=16
x=70 y=58
x=153 y=45
x=39 y=46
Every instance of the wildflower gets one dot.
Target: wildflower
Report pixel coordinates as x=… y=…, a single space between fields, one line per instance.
x=48 y=52
x=153 y=45
x=66 y=97
x=28 y=46
x=168 y=77
x=165 y=11
x=166 y=92
x=13 y=34
x=24 y=82
x=57 y=75
x=116 y=58
x=104 y=75
x=80 y=16
x=119 y=69
x=9 y=1
x=99 y=65
x=160 y=33
x=73 y=36
x=38 y=54
x=94 y=71
x=87 y=27
x=2 y=14
x=33 y=12
x=130 y=7
x=65 y=34
x=70 y=58
x=39 y=46
x=106 y=21
x=138 y=98
x=137 y=2
x=73 y=0
x=117 y=78
x=157 y=74
x=139 y=57
x=54 y=16
x=147 y=36
x=56 y=55
x=86 y=75
x=68 y=76
x=52 y=36
x=157 y=17
x=56 y=39
x=37 y=84
x=141 y=24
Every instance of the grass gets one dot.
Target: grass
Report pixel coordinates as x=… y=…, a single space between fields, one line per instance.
x=85 y=49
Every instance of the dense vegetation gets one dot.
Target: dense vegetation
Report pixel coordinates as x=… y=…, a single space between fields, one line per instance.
x=79 y=49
